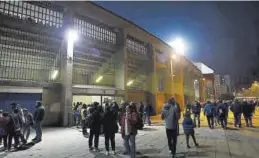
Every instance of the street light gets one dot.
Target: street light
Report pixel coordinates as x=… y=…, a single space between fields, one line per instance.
x=179 y=45
x=71 y=36
x=54 y=74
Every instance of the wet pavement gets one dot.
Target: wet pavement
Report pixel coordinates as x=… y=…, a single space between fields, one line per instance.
x=151 y=143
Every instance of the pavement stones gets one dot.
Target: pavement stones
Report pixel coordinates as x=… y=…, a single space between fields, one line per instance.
x=151 y=143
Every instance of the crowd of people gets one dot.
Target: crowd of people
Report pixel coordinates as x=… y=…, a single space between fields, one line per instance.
x=217 y=112
x=17 y=125
x=107 y=119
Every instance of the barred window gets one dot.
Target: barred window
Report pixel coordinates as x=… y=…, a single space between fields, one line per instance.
x=31 y=12
x=90 y=30
x=25 y=59
x=136 y=47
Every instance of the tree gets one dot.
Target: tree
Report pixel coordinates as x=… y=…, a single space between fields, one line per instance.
x=253 y=91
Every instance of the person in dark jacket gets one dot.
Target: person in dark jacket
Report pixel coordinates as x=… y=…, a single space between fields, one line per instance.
x=196 y=110
x=95 y=127
x=141 y=111
x=38 y=120
x=237 y=110
x=148 y=110
x=28 y=124
x=248 y=112
x=110 y=127
x=188 y=127
x=4 y=120
x=221 y=113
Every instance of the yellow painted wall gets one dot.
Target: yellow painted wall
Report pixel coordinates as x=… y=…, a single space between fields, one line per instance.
x=160 y=100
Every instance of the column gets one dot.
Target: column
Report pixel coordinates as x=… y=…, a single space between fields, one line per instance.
x=66 y=72
x=120 y=61
x=51 y=98
x=152 y=81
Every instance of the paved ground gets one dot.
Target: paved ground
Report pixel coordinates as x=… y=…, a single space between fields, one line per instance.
x=151 y=143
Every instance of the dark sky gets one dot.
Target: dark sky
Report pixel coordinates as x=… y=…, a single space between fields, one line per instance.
x=220 y=34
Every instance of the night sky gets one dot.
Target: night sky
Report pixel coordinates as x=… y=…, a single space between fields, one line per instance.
x=220 y=34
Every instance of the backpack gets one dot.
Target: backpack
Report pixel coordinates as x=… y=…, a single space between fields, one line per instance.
x=90 y=120
x=221 y=112
x=139 y=125
x=209 y=111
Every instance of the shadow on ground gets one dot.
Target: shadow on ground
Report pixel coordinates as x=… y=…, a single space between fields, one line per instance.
x=149 y=129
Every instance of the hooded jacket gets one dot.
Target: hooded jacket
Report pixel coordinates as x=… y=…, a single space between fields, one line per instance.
x=171 y=115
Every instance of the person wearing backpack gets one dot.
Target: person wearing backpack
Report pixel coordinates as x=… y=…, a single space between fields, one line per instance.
x=171 y=114
x=221 y=113
x=237 y=110
x=110 y=127
x=208 y=112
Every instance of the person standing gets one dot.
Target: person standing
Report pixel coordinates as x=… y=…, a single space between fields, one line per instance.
x=84 y=117
x=4 y=119
x=39 y=116
x=188 y=127
x=17 y=126
x=110 y=127
x=237 y=110
x=148 y=110
x=141 y=111
x=94 y=123
x=171 y=115
x=196 y=110
x=208 y=112
x=129 y=131
x=28 y=123
x=247 y=112
x=221 y=113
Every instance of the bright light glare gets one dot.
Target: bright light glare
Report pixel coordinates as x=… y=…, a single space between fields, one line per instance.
x=130 y=83
x=178 y=45
x=72 y=35
x=174 y=56
x=54 y=74
x=195 y=80
x=99 y=79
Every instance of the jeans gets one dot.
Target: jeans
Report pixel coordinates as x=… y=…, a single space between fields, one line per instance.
x=4 y=138
x=237 y=117
x=223 y=122
x=172 y=139
x=108 y=138
x=193 y=138
x=26 y=131
x=248 y=120
x=130 y=145
x=38 y=130
x=197 y=116
x=84 y=128
x=210 y=120
x=147 y=118
x=10 y=138
x=94 y=135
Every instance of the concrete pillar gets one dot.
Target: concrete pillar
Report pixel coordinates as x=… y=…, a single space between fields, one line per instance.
x=151 y=80
x=51 y=99
x=66 y=73
x=120 y=61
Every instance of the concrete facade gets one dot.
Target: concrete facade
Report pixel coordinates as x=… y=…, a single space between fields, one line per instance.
x=33 y=41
